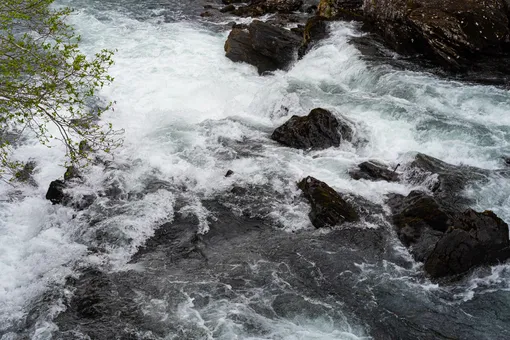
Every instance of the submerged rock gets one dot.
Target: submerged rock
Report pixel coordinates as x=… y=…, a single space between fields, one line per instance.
x=319 y=130
x=267 y=47
x=374 y=171
x=328 y=207
x=450 y=32
x=474 y=239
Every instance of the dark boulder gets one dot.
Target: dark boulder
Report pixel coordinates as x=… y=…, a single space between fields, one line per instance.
x=420 y=222
x=260 y=7
x=319 y=130
x=449 y=32
x=229 y=8
x=55 y=192
x=450 y=180
x=475 y=239
x=328 y=207
x=315 y=30
x=341 y=9
x=265 y=46
x=374 y=171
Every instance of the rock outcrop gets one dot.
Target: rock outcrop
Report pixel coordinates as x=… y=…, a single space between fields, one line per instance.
x=319 y=130
x=314 y=30
x=328 y=207
x=267 y=47
x=450 y=32
x=341 y=9
x=474 y=239
x=448 y=242
x=260 y=7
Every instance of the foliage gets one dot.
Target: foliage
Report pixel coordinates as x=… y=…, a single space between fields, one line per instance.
x=45 y=80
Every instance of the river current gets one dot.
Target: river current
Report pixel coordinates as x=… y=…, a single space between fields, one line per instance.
x=189 y=115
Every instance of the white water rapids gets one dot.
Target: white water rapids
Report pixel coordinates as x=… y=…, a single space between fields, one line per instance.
x=188 y=111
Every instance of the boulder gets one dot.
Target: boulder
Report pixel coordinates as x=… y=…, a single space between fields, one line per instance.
x=475 y=239
x=319 y=130
x=420 y=222
x=450 y=180
x=374 y=171
x=450 y=32
x=260 y=7
x=328 y=207
x=228 y=8
x=265 y=46
x=341 y=9
x=55 y=192
x=314 y=30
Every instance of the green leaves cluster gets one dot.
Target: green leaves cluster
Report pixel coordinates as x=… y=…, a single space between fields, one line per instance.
x=44 y=80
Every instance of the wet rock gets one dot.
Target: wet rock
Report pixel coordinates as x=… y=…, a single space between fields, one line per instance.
x=328 y=207
x=450 y=180
x=319 y=130
x=450 y=32
x=374 y=171
x=229 y=173
x=267 y=47
x=341 y=9
x=229 y=8
x=55 y=192
x=475 y=239
x=260 y=7
x=315 y=30
x=206 y=14
x=414 y=213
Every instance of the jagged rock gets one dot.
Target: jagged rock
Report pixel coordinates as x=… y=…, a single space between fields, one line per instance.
x=416 y=211
x=315 y=30
x=374 y=171
x=341 y=9
x=420 y=222
x=319 y=130
x=260 y=7
x=265 y=46
x=55 y=192
x=229 y=173
x=450 y=179
x=450 y=32
x=475 y=239
x=328 y=207
x=448 y=242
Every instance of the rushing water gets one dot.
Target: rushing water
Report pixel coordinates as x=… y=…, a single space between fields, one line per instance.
x=189 y=115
